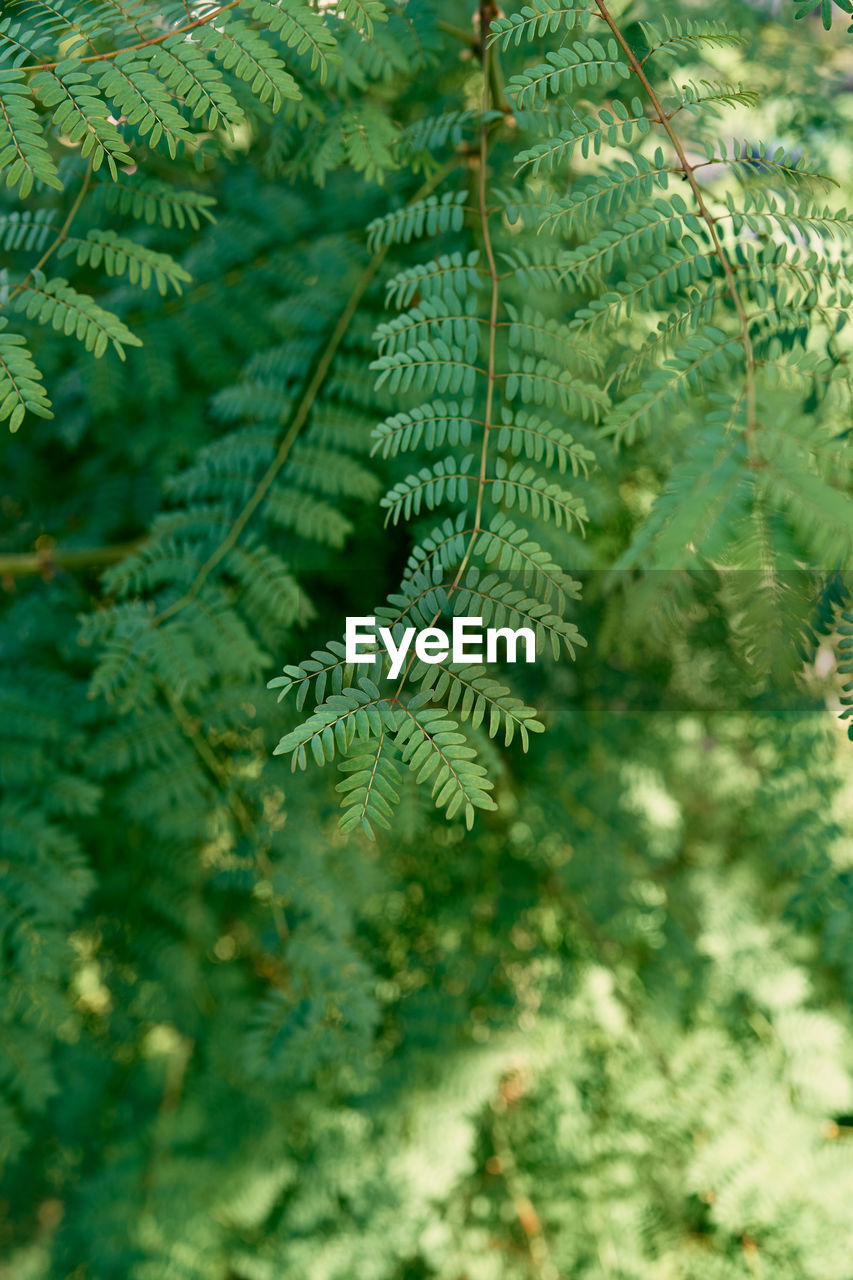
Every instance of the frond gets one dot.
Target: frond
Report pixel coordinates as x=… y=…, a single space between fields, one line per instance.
x=526 y=435
x=444 y=481
x=81 y=113
x=501 y=602
x=372 y=787
x=613 y=125
x=121 y=256
x=24 y=155
x=431 y=425
x=252 y=59
x=600 y=196
x=709 y=353
x=579 y=64
x=692 y=95
x=431 y=366
x=431 y=216
x=300 y=28
x=354 y=714
x=435 y=751
x=54 y=302
x=671 y=36
x=151 y=200
x=21 y=389
x=541 y=17
x=518 y=486
x=449 y=277
x=480 y=699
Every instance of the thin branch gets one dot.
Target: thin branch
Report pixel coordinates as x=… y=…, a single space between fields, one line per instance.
x=708 y=218
x=486 y=12
x=45 y=562
x=143 y=44
x=59 y=237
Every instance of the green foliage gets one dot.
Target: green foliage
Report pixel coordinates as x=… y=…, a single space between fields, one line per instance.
x=492 y=971
x=120 y=86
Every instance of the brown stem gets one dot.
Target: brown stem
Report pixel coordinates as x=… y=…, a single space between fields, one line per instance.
x=486 y=13
x=707 y=217
x=143 y=44
x=21 y=564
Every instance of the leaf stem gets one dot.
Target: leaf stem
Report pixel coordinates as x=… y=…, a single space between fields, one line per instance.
x=707 y=217
x=59 y=238
x=203 y=21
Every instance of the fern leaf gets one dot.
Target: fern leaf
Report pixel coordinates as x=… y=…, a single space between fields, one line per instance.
x=419 y=141
x=370 y=139
x=705 y=497
x=308 y=517
x=363 y=13
x=120 y=256
x=709 y=352
x=24 y=154
x=648 y=284
x=759 y=158
x=579 y=64
x=150 y=200
x=26 y=229
x=56 y=303
x=431 y=366
x=141 y=99
x=541 y=382
x=372 y=789
x=480 y=699
x=509 y=548
x=354 y=714
x=539 y=441
x=186 y=70
x=450 y=277
x=252 y=59
x=299 y=27
x=431 y=425
x=430 y=216
x=614 y=124
x=540 y=335
x=692 y=95
x=601 y=195
x=455 y=325
x=21 y=389
x=81 y=113
x=539 y=18
x=442 y=482
x=520 y=486
x=317 y=668
x=760 y=212
x=672 y=36
x=431 y=745
x=645 y=230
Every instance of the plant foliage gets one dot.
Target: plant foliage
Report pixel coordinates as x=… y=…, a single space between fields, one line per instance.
x=493 y=970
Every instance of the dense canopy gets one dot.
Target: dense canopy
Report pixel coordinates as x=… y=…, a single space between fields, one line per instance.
x=425 y=311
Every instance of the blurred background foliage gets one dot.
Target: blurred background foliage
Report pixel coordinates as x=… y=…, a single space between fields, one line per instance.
x=607 y=1033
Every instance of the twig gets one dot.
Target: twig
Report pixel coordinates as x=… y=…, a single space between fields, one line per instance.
x=143 y=44
x=706 y=215
x=21 y=564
